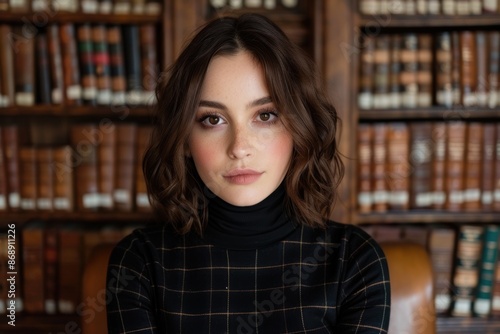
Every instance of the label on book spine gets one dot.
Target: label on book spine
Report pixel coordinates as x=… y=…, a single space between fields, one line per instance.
x=142 y=200
x=3 y=202
x=106 y=201
x=487 y=197
x=121 y=8
x=90 y=6
x=91 y=201
x=44 y=203
x=152 y=8
x=14 y=200
x=74 y=92
x=61 y=203
x=121 y=196
x=25 y=99
x=57 y=96
x=28 y=204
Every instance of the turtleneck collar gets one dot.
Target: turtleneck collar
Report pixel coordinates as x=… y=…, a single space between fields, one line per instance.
x=249 y=227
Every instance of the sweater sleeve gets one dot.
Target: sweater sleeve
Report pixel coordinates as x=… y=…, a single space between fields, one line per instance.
x=365 y=291
x=129 y=295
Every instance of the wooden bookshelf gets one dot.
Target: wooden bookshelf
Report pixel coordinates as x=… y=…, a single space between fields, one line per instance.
x=65 y=17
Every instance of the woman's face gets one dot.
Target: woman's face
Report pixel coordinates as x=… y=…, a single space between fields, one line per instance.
x=239 y=145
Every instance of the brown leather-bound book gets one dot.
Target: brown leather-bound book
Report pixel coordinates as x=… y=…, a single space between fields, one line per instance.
x=132 y=57
x=154 y=7
x=456 y=76
x=4 y=5
x=455 y=168
x=149 y=62
x=84 y=140
x=28 y=176
x=398 y=166
x=138 y=6
x=409 y=70
x=444 y=93
x=10 y=141
x=102 y=64
x=482 y=74
x=71 y=72
x=117 y=66
x=365 y=196
x=87 y=68
x=422 y=7
x=70 y=269
x=449 y=7
x=476 y=7
x=420 y=159
x=379 y=165
x=55 y=64
x=366 y=74
x=107 y=164
x=434 y=7
x=3 y=175
x=368 y=7
x=441 y=246
x=43 y=83
x=463 y=7
x=424 y=76
x=468 y=67
x=126 y=134
x=439 y=136
x=473 y=163
x=141 y=192
x=63 y=177
x=51 y=253
x=45 y=186
x=488 y=166
x=24 y=69
x=496 y=194
x=122 y=7
x=33 y=267
x=411 y=7
x=6 y=66
x=382 y=61
x=395 y=71
x=494 y=69
x=466 y=273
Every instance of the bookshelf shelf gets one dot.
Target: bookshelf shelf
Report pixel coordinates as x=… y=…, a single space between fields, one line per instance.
x=428 y=217
x=118 y=111
x=449 y=325
x=42 y=18
x=435 y=113
x=429 y=21
x=90 y=217
x=40 y=323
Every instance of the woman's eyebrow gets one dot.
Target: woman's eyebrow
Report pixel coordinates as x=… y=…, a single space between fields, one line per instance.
x=218 y=105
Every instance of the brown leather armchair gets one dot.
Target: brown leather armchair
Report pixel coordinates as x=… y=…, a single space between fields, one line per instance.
x=412 y=310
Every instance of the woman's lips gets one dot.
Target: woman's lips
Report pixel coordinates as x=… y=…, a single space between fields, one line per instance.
x=242 y=176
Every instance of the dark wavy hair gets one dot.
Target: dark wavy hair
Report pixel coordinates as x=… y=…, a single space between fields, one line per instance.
x=176 y=192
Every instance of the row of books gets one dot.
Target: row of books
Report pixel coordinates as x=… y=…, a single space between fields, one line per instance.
x=100 y=171
x=453 y=166
x=78 y=64
x=465 y=261
x=252 y=4
x=420 y=70
x=428 y=7
x=50 y=260
x=127 y=7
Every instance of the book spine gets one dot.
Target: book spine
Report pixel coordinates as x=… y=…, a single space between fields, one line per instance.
x=468 y=67
x=409 y=71
x=420 y=158
x=102 y=64
x=496 y=193
x=149 y=62
x=3 y=175
x=125 y=161
x=69 y=52
x=70 y=269
x=45 y=183
x=132 y=57
x=43 y=70
x=466 y=275
x=424 y=76
x=489 y=258
x=117 y=67
x=379 y=165
x=11 y=155
x=87 y=68
x=367 y=71
x=482 y=74
x=6 y=66
x=488 y=167
x=106 y=162
x=463 y=7
x=494 y=69
x=434 y=7
x=476 y=7
x=62 y=175
x=490 y=6
x=456 y=76
x=455 y=165
x=444 y=94
x=422 y=7
x=395 y=71
x=28 y=174
x=55 y=64
x=33 y=267
x=381 y=60
x=439 y=136
x=50 y=265
x=365 y=195
x=398 y=167
x=449 y=7
x=473 y=162
x=141 y=193
x=368 y=7
x=24 y=69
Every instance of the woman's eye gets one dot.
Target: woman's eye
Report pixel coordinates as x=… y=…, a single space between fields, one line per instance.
x=213 y=120
x=266 y=116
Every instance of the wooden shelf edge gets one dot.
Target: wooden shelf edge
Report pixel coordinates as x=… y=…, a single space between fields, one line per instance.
x=39 y=323
x=435 y=113
x=447 y=325
x=428 y=21
x=91 y=217
x=121 y=111
x=55 y=16
x=428 y=217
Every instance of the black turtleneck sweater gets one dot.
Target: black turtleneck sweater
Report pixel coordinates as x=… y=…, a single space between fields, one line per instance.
x=255 y=270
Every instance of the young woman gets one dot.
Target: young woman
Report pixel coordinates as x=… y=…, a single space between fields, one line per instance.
x=242 y=171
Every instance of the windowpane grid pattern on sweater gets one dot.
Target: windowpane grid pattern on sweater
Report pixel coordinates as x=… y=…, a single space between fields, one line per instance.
x=314 y=281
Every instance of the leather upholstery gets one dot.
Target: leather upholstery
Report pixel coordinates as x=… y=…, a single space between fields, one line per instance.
x=412 y=296
x=412 y=304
